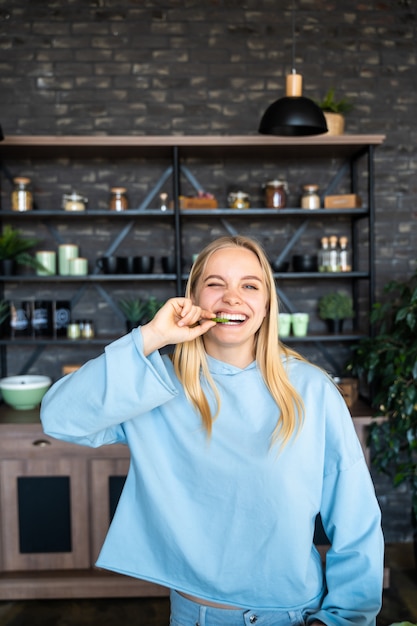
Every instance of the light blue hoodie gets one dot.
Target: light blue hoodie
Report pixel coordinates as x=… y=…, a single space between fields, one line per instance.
x=229 y=519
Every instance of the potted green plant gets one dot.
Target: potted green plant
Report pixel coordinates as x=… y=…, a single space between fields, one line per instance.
x=334 y=111
x=138 y=310
x=14 y=250
x=134 y=309
x=153 y=307
x=334 y=308
x=387 y=362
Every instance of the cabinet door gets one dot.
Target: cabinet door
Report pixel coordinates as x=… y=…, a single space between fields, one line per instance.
x=107 y=481
x=44 y=514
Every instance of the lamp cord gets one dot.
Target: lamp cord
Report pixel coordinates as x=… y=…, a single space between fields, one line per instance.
x=293 y=35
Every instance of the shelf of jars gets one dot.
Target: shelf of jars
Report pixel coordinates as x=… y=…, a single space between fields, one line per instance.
x=108 y=278
x=87 y=278
x=295 y=228
x=220 y=211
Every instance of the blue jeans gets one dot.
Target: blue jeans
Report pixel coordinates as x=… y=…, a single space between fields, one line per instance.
x=184 y=612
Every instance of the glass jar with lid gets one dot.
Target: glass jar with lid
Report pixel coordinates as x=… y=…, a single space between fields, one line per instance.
x=22 y=199
x=86 y=329
x=310 y=198
x=238 y=200
x=118 y=199
x=73 y=202
x=276 y=194
x=345 y=255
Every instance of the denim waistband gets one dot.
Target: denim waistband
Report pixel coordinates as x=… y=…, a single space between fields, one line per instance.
x=184 y=612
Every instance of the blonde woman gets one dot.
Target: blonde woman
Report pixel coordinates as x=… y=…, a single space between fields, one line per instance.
x=236 y=443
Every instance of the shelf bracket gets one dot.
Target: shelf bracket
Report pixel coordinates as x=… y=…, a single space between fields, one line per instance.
x=227 y=226
x=157 y=187
x=296 y=236
x=32 y=359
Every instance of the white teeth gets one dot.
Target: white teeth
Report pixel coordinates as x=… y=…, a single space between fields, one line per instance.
x=233 y=318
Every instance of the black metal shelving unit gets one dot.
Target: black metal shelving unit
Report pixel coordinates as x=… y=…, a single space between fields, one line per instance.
x=352 y=151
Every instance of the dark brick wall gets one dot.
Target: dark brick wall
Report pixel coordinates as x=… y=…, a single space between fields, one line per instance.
x=179 y=67
x=184 y=67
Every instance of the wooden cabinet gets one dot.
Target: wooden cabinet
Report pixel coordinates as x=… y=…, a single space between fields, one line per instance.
x=45 y=512
x=56 y=502
x=107 y=478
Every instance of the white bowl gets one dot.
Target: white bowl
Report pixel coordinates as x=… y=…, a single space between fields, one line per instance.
x=24 y=392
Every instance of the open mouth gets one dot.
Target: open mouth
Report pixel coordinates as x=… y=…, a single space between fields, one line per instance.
x=230 y=319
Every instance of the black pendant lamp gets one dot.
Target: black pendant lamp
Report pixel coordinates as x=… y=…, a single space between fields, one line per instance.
x=294 y=115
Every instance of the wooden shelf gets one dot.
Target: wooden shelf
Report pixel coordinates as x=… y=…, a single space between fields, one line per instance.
x=198 y=145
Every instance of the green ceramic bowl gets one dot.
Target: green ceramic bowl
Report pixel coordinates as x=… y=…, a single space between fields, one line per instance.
x=24 y=392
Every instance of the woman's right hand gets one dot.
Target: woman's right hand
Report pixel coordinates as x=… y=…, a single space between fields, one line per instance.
x=177 y=321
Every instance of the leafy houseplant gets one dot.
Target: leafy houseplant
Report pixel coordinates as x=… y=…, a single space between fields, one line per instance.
x=153 y=307
x=14 y=248
x=334 y=111
x=335 y=307
x=138 y=311
x=329 y=104
x=388 y=363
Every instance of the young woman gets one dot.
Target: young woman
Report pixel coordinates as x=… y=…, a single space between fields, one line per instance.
x=236 y=443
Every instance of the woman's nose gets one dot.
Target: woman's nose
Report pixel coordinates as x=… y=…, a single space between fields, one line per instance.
x=231 y=296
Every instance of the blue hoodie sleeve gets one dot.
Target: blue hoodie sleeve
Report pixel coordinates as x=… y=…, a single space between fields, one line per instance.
x=89 y=406
x=352 y=521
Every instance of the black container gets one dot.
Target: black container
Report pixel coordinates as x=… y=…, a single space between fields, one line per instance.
x=62 y=317
x=108 y=264
x=42 y=319
x=20 y=318
x=280 y=267
x=143 y=264
x=169 y=264
x=304 y=263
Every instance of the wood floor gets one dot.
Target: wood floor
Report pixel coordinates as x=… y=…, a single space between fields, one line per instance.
x=399 y=603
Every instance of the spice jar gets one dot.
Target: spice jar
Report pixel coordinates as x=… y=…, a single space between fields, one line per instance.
x=73 y=202
x=87 y=329
x=118 y=199
x=310 y=198
x=345 y=255
x=22 y=199
x=163 y=201
x=276 y=194
x=238 y=200
x=73 y=330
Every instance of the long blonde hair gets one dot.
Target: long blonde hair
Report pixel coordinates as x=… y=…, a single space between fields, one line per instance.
x=190 y=359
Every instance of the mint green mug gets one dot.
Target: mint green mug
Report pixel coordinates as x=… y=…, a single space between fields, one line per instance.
x=284 y=324
x=299 y=323
x=78 y=266
x=66 y=252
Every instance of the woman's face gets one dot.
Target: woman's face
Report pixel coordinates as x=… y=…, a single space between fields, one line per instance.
x=233 y=286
